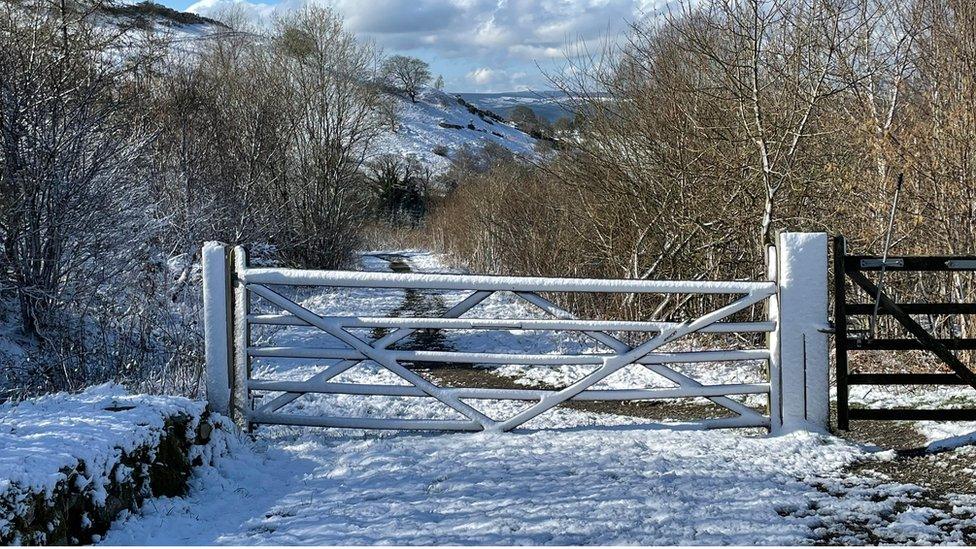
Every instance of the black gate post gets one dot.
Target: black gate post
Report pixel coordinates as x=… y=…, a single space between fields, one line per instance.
x=840 y=331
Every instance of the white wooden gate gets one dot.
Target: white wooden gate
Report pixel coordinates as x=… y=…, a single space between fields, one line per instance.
x=795 y=297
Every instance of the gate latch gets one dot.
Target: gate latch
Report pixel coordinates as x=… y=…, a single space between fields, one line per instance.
x=875 y=263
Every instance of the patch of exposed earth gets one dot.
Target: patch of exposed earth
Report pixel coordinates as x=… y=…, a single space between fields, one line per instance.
x=944 y=497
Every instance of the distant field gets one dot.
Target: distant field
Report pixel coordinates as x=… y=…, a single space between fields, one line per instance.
x=546 y=104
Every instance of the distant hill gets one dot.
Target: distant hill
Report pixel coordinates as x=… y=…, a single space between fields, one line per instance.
x=148 y=14
x=550 y=105
x=432 y=130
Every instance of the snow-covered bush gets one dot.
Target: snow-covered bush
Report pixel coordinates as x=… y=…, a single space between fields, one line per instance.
x=78 y=231
x=119 y=157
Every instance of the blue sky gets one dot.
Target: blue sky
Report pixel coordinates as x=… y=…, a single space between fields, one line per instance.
x=477 y=45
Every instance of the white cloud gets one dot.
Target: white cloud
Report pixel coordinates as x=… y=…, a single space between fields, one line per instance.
x=491 y=80
x=254 y=12
x=483 y=76
x=507 y=35
x=528 y=51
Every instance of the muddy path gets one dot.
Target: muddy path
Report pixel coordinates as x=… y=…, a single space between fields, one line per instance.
x=945 y=481
x=431 y=303
x=938 y=472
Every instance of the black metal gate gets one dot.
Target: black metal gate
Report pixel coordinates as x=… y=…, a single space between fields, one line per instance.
x=855 y=267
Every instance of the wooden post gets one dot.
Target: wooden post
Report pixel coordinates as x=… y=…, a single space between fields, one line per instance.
x=802 y=327
x=840 y=332
x=216 y=326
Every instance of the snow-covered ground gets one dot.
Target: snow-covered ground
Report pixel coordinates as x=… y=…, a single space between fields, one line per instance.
x=66 y=460
x=600 y=485
x=569 y=477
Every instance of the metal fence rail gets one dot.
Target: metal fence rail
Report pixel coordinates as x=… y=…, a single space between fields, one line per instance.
x=233 y=286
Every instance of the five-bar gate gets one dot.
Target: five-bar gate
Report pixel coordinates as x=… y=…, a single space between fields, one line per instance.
x=796 y=351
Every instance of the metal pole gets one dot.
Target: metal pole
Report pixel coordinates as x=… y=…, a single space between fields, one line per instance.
x=884 y=257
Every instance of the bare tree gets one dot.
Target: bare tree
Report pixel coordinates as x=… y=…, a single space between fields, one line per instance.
x=407 y=74
x=776 y=62
x=334 y=123
x=389 y=108
x=71 y=177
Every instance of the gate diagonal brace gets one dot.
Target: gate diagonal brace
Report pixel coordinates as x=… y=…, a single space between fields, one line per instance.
x=328 y=373
x=379 y=356
x=927 y=339
x=334 y=370
x=619 y=346
x=613 y=363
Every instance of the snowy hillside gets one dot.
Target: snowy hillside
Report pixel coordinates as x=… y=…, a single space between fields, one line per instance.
x=163 y=22
x=135 y=29
x=432 y=130
x=438 y=125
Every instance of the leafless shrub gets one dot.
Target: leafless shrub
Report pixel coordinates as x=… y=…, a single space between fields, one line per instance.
x=708 y=131
x=119 y=158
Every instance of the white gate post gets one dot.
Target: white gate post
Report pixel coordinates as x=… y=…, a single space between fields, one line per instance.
x=774 y=371
x=216 y=320
x=240 y=372
x=804 y=387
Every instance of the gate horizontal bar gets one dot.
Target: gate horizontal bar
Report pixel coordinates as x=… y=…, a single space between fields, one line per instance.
x=365 y=423
x=363 y=279
x=911 y=263
x=904 y=379
x=952 y=414
x=906 y=344
x=508 y=358
x=852 y=309
x=507 y=394
x=451 y=425
x=438 y=323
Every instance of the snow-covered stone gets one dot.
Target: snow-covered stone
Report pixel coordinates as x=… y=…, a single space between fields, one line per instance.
x=77 y=451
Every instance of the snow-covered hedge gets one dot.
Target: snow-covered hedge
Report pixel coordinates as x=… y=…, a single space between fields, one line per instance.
x=70 y=463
